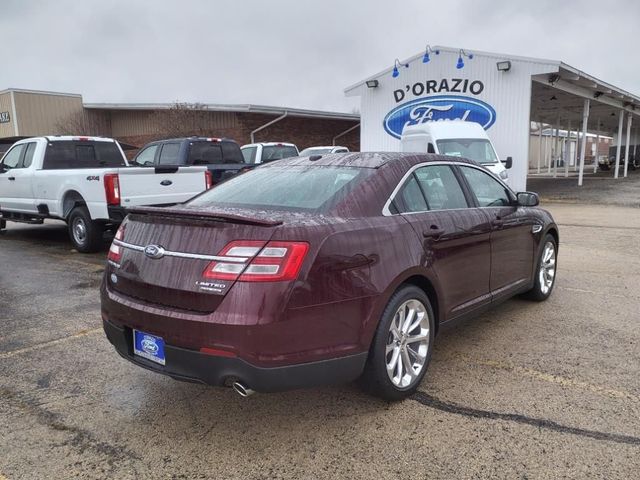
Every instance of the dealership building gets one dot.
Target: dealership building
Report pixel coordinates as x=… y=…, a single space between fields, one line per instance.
x=27 y=113
x=508 y=96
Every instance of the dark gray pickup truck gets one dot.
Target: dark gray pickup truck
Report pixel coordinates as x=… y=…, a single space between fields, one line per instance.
x=221 y=156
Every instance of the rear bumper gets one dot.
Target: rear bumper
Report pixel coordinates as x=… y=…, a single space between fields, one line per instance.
x=192 y=365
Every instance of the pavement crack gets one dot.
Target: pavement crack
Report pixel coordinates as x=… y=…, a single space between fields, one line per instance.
x=454 y=408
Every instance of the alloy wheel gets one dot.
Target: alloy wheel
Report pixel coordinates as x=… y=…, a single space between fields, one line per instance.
x=407 y=344
x=547 y=271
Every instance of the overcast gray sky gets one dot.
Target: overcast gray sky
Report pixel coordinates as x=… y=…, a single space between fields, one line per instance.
x=289 y=52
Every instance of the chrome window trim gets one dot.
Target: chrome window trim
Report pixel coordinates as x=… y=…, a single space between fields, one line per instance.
x=193 y=256
x=386 y=212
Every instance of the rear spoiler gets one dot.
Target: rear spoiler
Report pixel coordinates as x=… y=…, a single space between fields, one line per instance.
x=203 y=214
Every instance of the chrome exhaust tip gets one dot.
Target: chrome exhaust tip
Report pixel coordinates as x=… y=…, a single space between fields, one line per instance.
x=242 y=389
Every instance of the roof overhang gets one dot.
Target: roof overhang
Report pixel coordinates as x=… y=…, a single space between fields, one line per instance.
x=235 y=108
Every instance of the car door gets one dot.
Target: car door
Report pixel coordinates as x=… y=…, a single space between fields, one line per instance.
x=512 y=238
x=455 y=236
x=16 y=180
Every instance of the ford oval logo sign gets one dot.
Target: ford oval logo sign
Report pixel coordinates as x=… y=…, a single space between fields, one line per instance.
x=438 y=108
x=149 y=345
x=154 y=251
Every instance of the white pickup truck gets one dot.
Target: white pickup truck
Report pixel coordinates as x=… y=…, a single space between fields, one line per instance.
x=87 y=182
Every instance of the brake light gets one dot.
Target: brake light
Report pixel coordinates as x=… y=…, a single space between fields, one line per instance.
x=211 y=139
x=112 y=188
x=208 y=179
x=273 y=262
x=115 y=251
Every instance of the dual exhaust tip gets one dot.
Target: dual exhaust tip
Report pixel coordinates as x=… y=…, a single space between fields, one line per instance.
x=242 y=390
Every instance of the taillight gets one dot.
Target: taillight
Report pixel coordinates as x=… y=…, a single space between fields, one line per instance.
x=112 y=188
x=115 y=251
x=273 y=262
x=208 y=179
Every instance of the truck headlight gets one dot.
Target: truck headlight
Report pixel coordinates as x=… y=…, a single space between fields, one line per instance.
x=504 y=175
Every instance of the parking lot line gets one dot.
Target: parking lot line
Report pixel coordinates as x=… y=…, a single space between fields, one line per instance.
x=81 y=333
x=550 y=378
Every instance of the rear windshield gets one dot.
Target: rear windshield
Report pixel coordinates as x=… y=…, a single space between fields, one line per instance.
x=69 y=154
x=277 y=152
x=284 y=188
x=472 y=148
x=212 y=153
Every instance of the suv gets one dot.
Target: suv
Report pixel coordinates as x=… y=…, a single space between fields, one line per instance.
x=221 y=156
x=256 y=153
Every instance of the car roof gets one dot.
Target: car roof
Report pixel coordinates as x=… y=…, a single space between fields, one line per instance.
x=67 y=138
x=367 y=159
x=196 y=138
x=270 y=144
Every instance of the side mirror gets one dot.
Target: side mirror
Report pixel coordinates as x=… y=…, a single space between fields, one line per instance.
x=508 y=163
x=528 y=199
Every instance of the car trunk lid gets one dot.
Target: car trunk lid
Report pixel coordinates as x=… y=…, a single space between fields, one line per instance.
x=164 y=253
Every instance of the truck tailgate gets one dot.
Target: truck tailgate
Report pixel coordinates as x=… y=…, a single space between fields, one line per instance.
x=161 y=185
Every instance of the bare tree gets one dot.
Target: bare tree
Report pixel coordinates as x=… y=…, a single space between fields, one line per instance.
x=183 y=119
x=84 y=122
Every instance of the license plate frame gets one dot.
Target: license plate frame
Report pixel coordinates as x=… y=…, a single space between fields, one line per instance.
x=149 y=347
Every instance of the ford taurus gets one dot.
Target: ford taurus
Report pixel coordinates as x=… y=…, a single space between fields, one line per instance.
x=322 y=269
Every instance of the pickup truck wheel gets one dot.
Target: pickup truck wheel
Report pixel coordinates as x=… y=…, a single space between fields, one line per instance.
x=85 y=234
x=3 y=225
x=401 y=349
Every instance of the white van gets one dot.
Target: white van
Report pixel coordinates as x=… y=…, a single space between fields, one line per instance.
x=455 y=138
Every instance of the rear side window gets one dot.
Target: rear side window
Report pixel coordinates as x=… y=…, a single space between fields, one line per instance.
x=290 y=188
x=205 y=153
x=410 y=198
x=249 y=154
x=441 y=187
x=278 y=152
x=169 y=154
x=28 y=155
x=71 y=154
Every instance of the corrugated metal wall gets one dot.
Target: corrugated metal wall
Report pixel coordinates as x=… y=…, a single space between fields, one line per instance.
x=40 y=114
x=509 y=93
x=7 y=129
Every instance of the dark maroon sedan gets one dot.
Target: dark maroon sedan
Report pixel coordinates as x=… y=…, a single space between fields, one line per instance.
x=320 y=270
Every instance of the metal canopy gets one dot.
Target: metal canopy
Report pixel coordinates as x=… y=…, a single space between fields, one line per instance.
x=560 y=96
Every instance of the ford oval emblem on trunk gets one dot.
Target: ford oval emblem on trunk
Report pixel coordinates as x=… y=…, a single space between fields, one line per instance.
x=166 y=183
x=154 y=251
x=438 y=108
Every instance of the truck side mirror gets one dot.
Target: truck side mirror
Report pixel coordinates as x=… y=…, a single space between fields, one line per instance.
x=508 y=163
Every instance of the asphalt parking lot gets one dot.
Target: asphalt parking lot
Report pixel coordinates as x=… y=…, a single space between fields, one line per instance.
x=527 y=390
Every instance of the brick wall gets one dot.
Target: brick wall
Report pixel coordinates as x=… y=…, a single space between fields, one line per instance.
x=304 y=132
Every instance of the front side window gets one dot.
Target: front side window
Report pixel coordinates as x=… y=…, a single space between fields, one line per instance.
x=441 y=187
x=13 y=156
x=147 y=156
x=169 y=154
x=472 y=148
x=489 y=191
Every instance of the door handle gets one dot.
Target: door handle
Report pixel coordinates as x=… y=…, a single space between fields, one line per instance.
x=434 y=233
x=11 y=178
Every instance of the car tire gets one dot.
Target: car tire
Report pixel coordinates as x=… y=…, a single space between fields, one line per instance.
x=85 y=233
x=545 y=273
x=3 y=226
x=396 y=343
